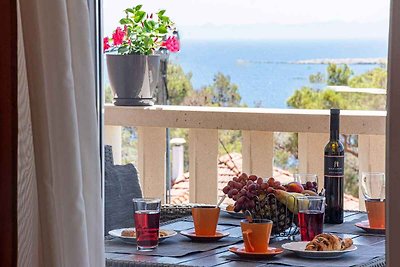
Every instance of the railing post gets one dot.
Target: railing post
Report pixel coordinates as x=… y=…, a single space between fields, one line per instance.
x=203 y=156
x=151 y=161
x=371 y=157
x=258 y=153
x=311 y=154
x=112 y=136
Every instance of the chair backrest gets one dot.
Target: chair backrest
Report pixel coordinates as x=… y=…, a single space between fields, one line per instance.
x=121 y=186
x=108 y=155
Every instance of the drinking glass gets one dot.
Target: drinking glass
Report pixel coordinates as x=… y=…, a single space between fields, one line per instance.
x=373 y=188
x=311 y=216
x=308 y=180
x=147 y=222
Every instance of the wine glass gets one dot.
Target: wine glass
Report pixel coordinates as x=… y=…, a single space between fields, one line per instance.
x=373 y=185
x=373 y=188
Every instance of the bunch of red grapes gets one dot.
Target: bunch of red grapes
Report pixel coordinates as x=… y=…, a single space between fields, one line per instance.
x=313 y=186
x=245 y=190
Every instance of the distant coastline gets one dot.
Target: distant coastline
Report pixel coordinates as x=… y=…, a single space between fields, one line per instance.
x=290 y=64
x=321 y=61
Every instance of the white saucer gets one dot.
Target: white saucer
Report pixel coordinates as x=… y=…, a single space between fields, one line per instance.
x=132 y=240
x=299 y=249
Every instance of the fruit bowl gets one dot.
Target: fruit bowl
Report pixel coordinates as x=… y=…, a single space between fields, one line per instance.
x=284 y=221
x=268 y=199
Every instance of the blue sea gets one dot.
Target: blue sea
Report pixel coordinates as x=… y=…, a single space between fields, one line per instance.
x=261 y=69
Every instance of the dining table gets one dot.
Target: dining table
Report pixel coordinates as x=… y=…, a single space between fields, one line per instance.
x=181 y=251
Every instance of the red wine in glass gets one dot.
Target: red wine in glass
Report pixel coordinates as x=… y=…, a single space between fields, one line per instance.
x=311 y=223
x=147 y=224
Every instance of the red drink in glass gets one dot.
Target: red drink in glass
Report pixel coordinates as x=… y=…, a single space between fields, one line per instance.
x=311 y=223
x=147 y=224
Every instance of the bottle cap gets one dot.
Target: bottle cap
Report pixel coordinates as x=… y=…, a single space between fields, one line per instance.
x=335 y=111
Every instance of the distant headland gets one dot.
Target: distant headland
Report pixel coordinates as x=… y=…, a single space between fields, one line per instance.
x=322 y=61
x=348 y=61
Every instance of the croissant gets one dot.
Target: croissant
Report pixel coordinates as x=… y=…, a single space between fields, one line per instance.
x=328 y=242
x=318 y=245
x=346 y=243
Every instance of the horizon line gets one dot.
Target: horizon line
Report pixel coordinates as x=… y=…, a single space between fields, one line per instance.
x=284 y=39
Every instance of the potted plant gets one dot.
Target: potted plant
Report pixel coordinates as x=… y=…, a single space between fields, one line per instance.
x=133 y=55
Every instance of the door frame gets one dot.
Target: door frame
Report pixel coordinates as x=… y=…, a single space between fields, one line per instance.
x=9 y=136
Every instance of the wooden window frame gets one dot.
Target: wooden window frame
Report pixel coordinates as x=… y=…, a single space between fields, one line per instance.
x=8 y=133
x=393 y=140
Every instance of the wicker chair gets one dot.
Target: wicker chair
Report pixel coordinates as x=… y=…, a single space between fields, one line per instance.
x=172 y=212
x=121 y=185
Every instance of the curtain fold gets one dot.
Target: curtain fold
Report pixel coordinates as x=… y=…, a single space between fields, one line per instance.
x=27 y=211
x=61 y=85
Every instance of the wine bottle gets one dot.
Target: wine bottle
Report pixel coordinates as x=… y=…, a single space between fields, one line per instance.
x=334 y=172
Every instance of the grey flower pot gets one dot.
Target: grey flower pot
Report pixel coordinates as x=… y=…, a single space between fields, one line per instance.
x=133 y=78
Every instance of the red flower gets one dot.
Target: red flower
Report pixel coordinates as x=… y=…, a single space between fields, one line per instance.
x=118 y=36
x=172 y=44
x=106 y=44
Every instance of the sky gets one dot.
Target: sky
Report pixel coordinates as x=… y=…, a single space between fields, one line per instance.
x=265 y=19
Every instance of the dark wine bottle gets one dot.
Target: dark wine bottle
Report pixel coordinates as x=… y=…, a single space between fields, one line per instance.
x=334 y=173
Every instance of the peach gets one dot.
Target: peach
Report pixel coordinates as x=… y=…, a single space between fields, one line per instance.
x=295 y=187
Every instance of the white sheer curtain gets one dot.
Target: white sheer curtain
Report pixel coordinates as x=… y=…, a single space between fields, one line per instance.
x=60 y=208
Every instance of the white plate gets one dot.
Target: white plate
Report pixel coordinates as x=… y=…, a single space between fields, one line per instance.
x=238 y=215
x=132 y=240
x=299 y=249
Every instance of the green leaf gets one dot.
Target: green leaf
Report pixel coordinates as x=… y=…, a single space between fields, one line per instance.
x=146 y=41
x=162 y=29
x=123 y=49
x=152 y=23
x=139 y=16
x=130 y=10
x=165 y=19
x=148 y=26
x=138 y=7
x=161 y=12
x=125 y=21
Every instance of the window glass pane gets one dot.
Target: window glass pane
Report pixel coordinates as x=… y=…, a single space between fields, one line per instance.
x=267 y=54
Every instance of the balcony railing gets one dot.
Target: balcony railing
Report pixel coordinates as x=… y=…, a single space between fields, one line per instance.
x=257 y=126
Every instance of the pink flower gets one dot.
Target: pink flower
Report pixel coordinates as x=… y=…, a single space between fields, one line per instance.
x=172 y=44
x=106 y=44
x=118 y=36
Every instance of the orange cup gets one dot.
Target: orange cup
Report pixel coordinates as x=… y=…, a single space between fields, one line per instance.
x=205 y=220
x=376 y=213
x=256 y=235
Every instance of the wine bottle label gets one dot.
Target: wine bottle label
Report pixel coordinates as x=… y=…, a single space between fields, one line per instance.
x=334 y=166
